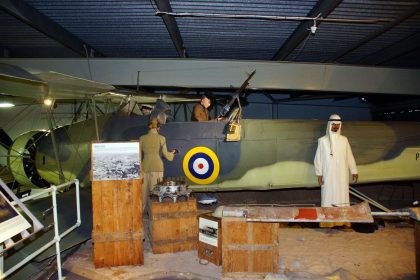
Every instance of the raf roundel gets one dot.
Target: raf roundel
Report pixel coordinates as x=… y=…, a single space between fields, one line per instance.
x=201 y=165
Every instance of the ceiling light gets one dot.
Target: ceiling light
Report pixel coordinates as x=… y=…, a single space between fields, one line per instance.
x=313 y=28
x=47 y=102
x=6 y=105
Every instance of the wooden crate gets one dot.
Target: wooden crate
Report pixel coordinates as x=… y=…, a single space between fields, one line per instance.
x=117 y=223
x=210 y=238
x=173 y=226
x=417 y=246
x=249 y=248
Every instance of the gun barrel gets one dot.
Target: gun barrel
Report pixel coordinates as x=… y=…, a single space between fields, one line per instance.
x=238 y=92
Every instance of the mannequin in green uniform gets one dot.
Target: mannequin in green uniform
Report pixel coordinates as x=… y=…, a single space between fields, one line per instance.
x=153 y=147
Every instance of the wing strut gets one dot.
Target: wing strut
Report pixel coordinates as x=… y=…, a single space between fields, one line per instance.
x=361 y=196
x=54 y=143
x=95 y=119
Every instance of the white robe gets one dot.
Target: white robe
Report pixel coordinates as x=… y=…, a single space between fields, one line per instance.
x=335 y=170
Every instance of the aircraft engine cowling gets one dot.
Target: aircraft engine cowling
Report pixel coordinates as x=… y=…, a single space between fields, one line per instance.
x=21 y=159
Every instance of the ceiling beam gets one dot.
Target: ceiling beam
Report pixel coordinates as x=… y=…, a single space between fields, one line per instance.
x=172 y=27
x=411 y=12
x=27 y=14
x=323 y=7
x=398 y=49
x=225 y=74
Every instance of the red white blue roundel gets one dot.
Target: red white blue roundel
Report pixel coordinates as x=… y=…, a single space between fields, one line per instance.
x=201 y=165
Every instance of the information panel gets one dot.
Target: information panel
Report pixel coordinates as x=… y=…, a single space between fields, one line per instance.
x=11 y=221
x=115 y=161
x=208 y=231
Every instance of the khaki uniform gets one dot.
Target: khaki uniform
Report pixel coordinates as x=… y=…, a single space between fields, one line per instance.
x=153 y=146
x=200 y=113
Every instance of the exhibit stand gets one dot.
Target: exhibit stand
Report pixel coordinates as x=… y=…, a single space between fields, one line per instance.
x=173 y=226
x=210 y=239
x=117 y=204
x=415 y=215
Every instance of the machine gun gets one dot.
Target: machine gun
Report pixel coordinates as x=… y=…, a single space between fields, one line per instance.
x=244 y=85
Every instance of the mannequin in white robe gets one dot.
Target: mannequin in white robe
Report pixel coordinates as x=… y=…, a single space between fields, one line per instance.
x=334 y=161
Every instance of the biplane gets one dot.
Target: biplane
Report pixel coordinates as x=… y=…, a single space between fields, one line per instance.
x=266 y=154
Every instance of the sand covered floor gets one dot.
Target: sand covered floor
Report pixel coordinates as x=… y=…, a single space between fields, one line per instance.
x=388 y=253
x=305 y=253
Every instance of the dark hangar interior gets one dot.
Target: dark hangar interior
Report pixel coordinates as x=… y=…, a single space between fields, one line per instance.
x=312 y=59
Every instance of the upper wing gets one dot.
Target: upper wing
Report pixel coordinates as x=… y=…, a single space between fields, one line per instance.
x=145 y=97
x=15 y=81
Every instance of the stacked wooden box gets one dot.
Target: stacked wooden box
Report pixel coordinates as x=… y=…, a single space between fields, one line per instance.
x=117 y=223
x=250 y=249
x=173 y=226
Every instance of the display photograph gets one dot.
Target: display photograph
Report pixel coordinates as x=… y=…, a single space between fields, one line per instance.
x=115 y=161
x=11 y=221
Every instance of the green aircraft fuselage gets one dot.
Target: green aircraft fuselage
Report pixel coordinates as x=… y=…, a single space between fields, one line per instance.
x=271 y=154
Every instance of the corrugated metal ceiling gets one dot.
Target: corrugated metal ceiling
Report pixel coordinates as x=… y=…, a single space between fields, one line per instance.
x=124 y=29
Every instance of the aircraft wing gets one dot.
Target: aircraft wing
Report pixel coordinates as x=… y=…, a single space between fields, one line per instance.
x=11 y=72
x=15 y=81
x=145 y=97
x=68 y=87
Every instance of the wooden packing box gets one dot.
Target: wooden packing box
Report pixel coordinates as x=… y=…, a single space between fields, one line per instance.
x=210 y=238
x=249 y=248
x=173 y=226
x=117 y=223
x=417 y=246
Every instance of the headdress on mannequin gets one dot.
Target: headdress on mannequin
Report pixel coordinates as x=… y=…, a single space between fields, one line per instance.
x=334 y=119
